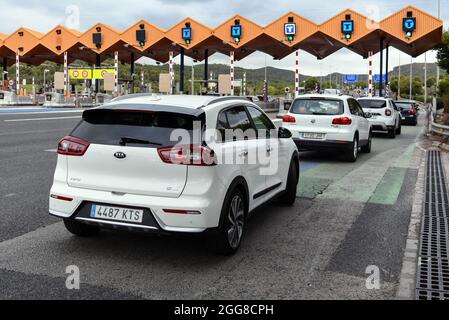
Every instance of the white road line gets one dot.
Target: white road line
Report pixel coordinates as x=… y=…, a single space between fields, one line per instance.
x=43 y=112
x=42 y=119
x=50 y=150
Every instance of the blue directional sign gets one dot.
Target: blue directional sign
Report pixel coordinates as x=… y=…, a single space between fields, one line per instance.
x=187 y=33
x=347 y=26
x=290 y=29
x=377 y=78
x=236 y=31
x=409 y=24
x=351 y=78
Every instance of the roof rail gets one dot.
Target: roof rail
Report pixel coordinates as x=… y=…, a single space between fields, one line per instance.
x=223 y=99
x=135 y=95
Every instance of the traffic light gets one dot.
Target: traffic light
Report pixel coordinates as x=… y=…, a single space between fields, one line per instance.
x=141 y=37
x=236 y=31
x=187 y=33
x=347 y=27
x=409 y=24
x=290 y=29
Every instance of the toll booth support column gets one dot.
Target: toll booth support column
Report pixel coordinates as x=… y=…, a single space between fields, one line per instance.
x=132 y=73
x=297 y=75
x=232 y=56
x=5 y=69
x=387 y=58
x=206 y=68
x=370 y=74
x=17 y=73
x=381 y=67
x=181 y=72
x=97 y=65
x=171 y=71
x=116 y=72
x=65 y=73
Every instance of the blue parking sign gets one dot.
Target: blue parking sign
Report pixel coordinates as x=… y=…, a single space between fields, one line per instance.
x=409 y=24
x=377 y=78
x=351 y=78
x=290 y=29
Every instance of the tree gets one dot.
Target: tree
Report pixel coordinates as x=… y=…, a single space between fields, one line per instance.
x=311 y=83
x=443 y=52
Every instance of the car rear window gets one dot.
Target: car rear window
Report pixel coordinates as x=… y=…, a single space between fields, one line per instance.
x=403 y=105
x=133 y=128
x=317 y=106
x=372 y=104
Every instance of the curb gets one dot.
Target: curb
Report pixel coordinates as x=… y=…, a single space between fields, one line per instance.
x=407 y=282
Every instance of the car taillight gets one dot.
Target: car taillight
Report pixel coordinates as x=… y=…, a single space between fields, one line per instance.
x=412 y=110
x=388 y=112
x=288 y=119
x=71 y=146
x=190 y=155
x=344 y=121
x=54 y=196
x=175 y=211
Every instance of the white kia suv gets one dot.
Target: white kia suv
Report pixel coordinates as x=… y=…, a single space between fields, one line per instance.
x=173 y=164
x=325 y=122
x=385 y=115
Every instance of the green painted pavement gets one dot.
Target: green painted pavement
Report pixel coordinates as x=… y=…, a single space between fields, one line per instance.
x=387 y=191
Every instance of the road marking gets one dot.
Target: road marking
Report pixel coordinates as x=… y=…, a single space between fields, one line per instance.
x=51 y=150
x=389 y=188
x=34 y=111
x=43 y=119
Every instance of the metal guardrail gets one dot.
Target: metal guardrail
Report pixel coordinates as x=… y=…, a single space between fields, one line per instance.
x=438 y=128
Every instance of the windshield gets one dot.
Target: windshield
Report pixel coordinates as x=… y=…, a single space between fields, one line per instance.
x=318 y=106
x=372 y=104
x=403 y=104
x=128 y=127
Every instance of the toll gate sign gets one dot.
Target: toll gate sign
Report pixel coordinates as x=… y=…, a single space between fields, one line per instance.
x=351 y=78
x=290 y=29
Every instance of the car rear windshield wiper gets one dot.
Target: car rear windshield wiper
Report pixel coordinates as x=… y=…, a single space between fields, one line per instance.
x=126 y=140
x=320 y=114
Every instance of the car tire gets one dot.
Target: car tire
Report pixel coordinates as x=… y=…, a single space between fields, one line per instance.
x=415 y=123
x=353 y=152
x=80 y=229
x=367 y=147
x=288 y=198
x=232 y=223
x=392 y=133
x=399 y=129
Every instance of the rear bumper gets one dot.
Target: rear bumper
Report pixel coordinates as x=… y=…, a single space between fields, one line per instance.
x=157 y=220
x=322 y=145
x=382 y=126
x=409 y=119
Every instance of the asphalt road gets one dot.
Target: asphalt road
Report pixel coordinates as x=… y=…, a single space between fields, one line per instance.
x=347 y=217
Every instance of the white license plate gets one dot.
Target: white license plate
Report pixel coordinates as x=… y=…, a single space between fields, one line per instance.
x=116 y=214
x=308 y=135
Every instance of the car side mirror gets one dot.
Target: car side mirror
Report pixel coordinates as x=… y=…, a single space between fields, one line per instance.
x=284 y=133
x=368 y=115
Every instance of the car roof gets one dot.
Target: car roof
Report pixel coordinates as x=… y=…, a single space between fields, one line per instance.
x=140 y=101
x=374 y=98
x=325 y=96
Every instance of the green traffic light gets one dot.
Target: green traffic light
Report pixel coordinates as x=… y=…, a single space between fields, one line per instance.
x=187 y=41
x=236 y=40
x=290 y=38
x=348 y=36
x=142 y=44
x=409 y=34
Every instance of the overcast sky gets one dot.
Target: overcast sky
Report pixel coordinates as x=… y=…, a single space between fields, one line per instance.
x=43 y=16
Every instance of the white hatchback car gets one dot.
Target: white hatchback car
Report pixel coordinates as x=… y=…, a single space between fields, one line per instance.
x=324 y=122
x=127 y=165
x=385 y=115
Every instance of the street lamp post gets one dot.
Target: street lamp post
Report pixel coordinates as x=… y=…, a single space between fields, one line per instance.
x=193 y=77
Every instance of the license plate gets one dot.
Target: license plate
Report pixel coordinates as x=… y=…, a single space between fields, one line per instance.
x=116 y=214
x=308 y=135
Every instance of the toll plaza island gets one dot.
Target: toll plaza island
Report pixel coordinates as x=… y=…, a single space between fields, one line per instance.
x=410 y=30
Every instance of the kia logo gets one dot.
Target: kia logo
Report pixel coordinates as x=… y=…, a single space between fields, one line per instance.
x=313 y=121
x=120 y=155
